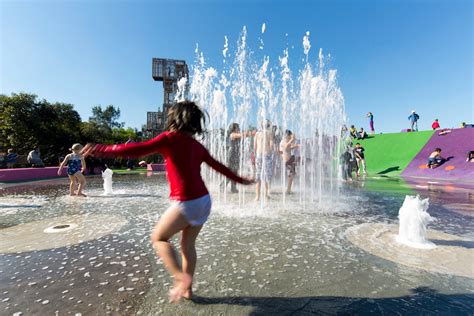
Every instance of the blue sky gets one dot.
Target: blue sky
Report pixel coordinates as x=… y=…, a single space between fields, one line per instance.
x=391 y=56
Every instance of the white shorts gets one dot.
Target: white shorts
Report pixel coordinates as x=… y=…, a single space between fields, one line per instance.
x=196 y=211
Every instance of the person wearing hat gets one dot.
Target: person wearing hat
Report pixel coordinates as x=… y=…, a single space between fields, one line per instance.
x=76 y=165
x=413 y=118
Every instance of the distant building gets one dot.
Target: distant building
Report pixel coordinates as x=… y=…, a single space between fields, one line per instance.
x=170 y=71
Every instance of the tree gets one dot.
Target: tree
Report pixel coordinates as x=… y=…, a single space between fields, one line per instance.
x=101 y=124
x=107 y=118
x=28 y=123
x=121 y=135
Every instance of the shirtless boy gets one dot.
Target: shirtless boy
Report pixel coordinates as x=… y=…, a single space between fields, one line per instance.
x=263 y=146
x=286 y=145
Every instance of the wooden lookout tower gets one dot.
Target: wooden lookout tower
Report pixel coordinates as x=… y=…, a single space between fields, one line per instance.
x=170 y=71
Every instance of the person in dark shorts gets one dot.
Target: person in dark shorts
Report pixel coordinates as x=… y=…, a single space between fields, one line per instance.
x=360 y=157
x=470 y=156
x=435 y=159
x=286 y=145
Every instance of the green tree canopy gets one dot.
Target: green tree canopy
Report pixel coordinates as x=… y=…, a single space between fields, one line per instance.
x=106 y=118
x=28 y=123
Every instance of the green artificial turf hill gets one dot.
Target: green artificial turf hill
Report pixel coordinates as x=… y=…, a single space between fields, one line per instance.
x=390 y=154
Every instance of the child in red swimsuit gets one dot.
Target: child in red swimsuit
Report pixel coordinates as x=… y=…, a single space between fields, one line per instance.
x=191 y=202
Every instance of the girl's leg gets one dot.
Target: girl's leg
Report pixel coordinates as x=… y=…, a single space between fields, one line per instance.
x=72 y=184
x=171 y=223
x=257 y=190
x=188 y=254
x=290 y=183
x=267 y=189
x=82 y=183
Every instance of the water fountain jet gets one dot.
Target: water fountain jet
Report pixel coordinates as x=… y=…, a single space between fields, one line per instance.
x=107 y=176
x=414 y=218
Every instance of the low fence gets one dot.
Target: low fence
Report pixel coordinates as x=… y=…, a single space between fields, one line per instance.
x=28 y=174
x=155 y=167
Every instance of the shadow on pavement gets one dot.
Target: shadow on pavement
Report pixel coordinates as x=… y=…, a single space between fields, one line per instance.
x=423 y=301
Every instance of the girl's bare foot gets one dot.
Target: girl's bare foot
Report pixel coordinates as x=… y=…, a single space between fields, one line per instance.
x=182 y=284
x=81 y=194
x=187 y=294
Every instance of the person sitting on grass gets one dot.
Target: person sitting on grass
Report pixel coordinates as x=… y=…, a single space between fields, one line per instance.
x=362 y=134
x=353 y=132
x=435 y=159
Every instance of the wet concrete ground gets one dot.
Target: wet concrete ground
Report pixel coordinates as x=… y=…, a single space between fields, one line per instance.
x=281 y=259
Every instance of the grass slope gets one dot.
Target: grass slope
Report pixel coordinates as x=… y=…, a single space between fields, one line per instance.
x=389 y=154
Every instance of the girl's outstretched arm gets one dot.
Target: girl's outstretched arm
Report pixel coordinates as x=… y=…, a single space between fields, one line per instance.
x=83 y=163
x=132 y=150
x=219 y=167
x=62 y=164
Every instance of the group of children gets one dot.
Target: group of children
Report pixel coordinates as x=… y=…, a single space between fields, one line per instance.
x=435 y=159
x=361 y=134
x=191 y=202
x=262 y=157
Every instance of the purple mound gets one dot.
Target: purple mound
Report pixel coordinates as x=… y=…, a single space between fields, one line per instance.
x=455 y=145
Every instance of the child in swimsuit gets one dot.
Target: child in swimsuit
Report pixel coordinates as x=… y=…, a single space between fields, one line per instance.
x=75 y=166
x=191 y=201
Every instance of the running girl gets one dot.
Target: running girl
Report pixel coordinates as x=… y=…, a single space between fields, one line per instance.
x=191 y=201
x=75 y=167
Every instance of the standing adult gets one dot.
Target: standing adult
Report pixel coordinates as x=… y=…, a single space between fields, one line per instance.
x=370 y=115
x=346 y=163
x=129 y=162
x=234 y=137
x=413 y=118
x=263 y=145
x=435 y=125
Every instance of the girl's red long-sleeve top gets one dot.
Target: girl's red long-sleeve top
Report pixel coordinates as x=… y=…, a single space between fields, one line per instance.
x=183 y=157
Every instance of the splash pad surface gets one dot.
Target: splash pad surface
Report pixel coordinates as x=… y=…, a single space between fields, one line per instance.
x=451 y=255
x=281 y=258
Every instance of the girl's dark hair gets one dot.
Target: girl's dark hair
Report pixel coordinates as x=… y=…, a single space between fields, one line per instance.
x=186 y=116
x=233 y=128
